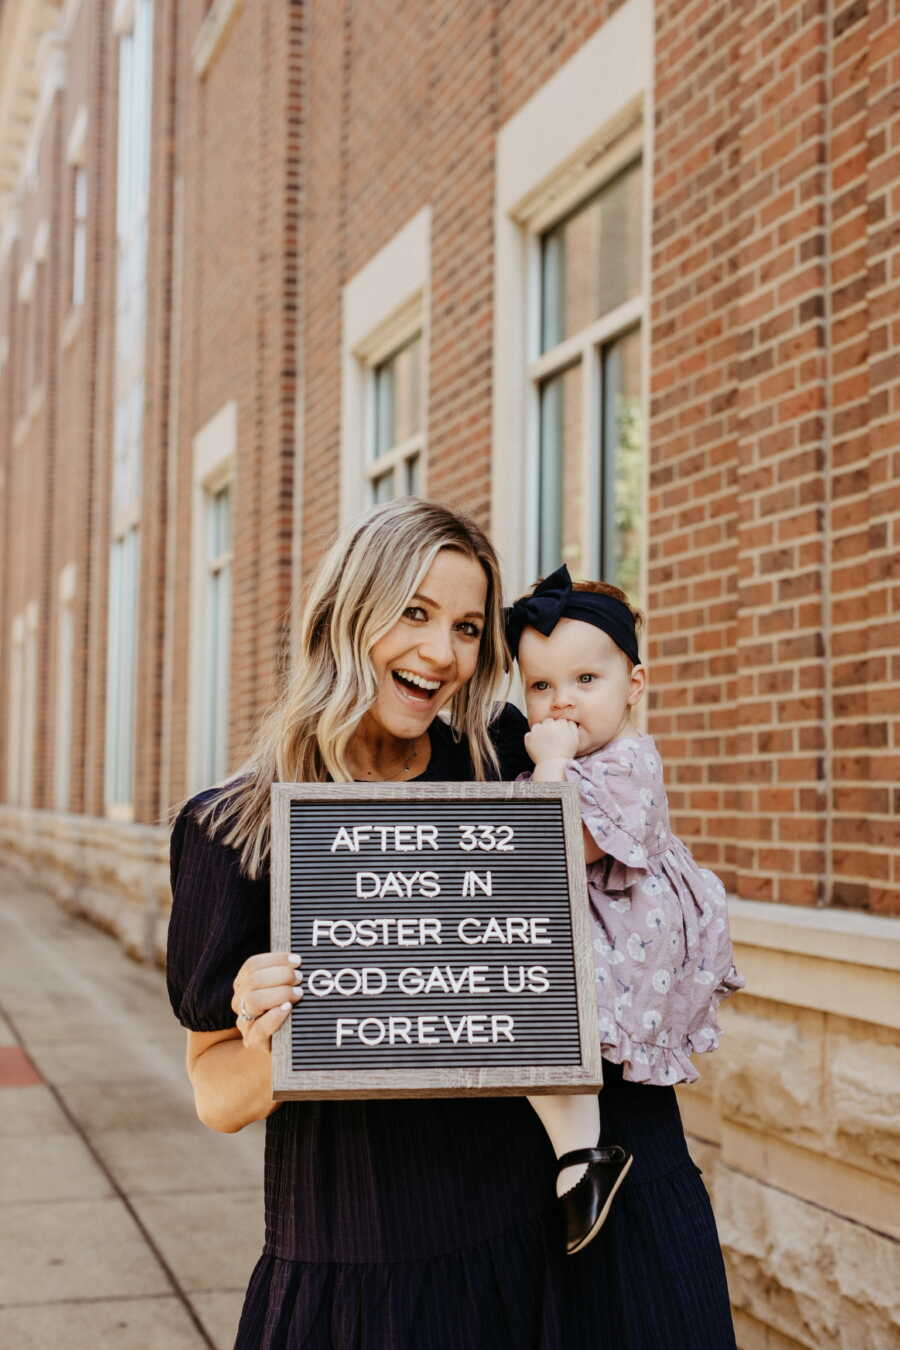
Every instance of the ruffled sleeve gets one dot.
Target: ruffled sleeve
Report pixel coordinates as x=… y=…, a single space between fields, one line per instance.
x=620 y=809
x=219 y=918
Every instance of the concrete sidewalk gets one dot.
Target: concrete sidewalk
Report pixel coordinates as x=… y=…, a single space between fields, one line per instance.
x=123 y=1221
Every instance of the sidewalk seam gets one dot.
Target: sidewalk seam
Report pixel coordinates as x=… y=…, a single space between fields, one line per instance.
x=122 y=1195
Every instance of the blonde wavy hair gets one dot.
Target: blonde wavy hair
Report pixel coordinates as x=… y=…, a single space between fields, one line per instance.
x=358 y=593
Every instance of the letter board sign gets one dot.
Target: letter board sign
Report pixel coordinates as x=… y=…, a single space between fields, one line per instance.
x=445 y=936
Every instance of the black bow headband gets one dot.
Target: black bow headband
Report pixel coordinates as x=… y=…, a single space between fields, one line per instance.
x=554 y=599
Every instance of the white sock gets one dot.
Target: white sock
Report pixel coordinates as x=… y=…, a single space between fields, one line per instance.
x=572 y=1121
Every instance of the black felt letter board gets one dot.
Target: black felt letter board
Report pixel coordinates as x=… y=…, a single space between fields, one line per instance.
x=445 y=938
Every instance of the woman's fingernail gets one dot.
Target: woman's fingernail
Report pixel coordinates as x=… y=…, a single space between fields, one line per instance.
x=294 y=959
x=286 y=1007
x=298 y=978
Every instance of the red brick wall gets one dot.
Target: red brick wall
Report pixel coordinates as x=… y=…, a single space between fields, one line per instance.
x=771 y=547
x=316 y=134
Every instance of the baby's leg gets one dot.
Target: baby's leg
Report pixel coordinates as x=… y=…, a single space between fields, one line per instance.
x=572 y=1120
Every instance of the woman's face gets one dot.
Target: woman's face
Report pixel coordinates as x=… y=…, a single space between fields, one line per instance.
x=432 y=649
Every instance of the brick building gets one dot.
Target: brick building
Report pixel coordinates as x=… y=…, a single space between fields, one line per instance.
x=621 y=279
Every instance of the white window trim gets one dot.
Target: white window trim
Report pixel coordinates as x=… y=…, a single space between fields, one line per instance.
x=213 y=31
x=214 y=458
x=384 y=304
x=123 y=17
x=77 y=142
x=561 y=145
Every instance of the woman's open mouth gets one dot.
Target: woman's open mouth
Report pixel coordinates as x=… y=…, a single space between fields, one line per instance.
x=414 y=687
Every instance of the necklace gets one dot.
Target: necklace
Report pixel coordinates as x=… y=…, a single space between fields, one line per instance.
x=409 y=760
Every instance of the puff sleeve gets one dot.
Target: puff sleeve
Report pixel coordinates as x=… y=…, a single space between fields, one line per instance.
x=623 y=807
x=219 y=918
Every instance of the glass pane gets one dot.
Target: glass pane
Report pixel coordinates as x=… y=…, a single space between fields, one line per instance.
x=561 y=490
x=407 y=391
x=218 y=533
x=398 y=397
x=384 y=409
x=591 y=261
x=79 y=255
x=412 y=476
x=383 y=487
x=121 y=667
x=223 y=672
x=623 y=465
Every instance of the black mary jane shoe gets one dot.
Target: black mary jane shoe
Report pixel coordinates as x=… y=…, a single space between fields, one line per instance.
x=587 y=1204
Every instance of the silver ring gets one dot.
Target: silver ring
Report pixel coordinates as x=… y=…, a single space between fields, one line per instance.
x=247 y=1016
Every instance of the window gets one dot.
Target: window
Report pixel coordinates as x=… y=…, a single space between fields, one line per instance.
x=396 y=437
x=26 y=348
x=79 y=235
x=587 y=382
x=212 y=532
x=37 y=324
x=385 y=360
x=14 y=739
x=132 y=194
x=568 y=479
x=120 y=682
x=216 y=635
x=23 y=689
x=65 y=652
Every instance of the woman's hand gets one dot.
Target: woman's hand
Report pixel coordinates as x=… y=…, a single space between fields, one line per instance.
x=266 y=988
x=553 y=740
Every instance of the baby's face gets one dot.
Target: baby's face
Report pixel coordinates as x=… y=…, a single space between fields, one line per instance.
x=580 y=674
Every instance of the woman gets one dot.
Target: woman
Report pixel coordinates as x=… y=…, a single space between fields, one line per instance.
x=413 y=1224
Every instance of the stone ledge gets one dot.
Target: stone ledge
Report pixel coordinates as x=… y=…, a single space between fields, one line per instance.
x=834 y=1185
x=862 y=992
x=833 y=934
x=115 y=874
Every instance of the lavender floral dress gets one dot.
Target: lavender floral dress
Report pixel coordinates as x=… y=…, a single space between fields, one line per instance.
x=661 y=945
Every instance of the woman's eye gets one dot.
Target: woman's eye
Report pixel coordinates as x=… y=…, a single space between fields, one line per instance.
x=539 y=686
x=414 y=612
x=470 y=629
x=585 y=679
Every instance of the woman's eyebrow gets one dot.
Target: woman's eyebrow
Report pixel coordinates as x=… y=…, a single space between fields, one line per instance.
x=469 y=614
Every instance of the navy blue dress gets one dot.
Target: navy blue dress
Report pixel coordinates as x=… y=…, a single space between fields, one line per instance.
x=431 y=1224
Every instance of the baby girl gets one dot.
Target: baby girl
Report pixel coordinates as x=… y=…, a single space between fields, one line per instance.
x=662 y=950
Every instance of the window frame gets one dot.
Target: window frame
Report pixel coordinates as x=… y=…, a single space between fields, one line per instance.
x=65 y=673
x=214 y=468
x=572 y=135
x=384 y=305
x=403 y=329
x=134 y=160
x=585 y=348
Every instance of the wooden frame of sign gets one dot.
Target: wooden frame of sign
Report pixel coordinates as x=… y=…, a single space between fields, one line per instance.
x=446 y=940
